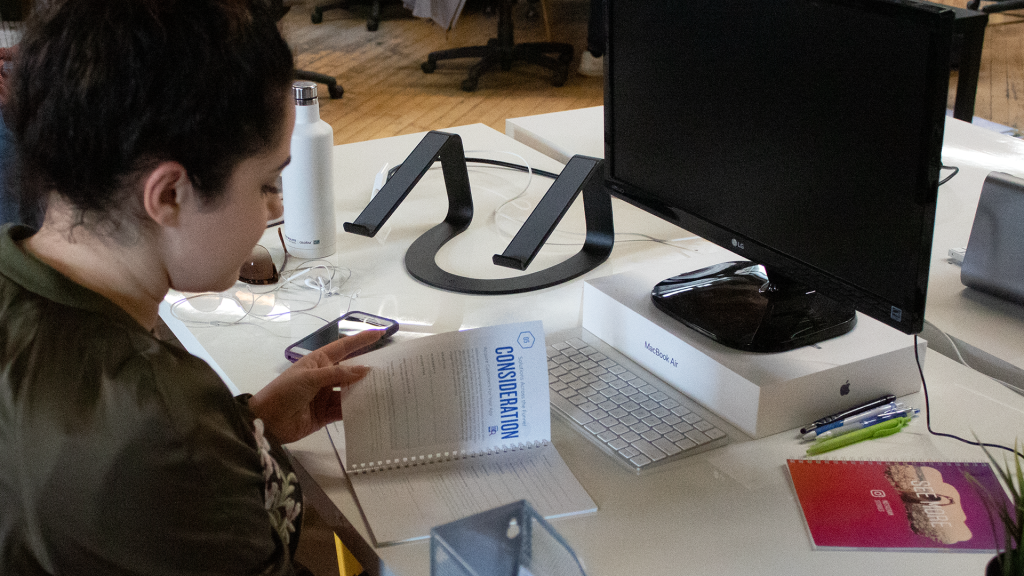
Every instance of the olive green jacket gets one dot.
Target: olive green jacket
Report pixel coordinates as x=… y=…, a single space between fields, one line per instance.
x=122 y=454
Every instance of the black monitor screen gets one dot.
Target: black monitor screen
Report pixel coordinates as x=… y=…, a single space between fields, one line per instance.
x=804 y=135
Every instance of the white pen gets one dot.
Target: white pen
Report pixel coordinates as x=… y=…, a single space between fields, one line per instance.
x=890 y=407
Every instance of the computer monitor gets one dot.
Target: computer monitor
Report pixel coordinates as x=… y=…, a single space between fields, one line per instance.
x=802 y=135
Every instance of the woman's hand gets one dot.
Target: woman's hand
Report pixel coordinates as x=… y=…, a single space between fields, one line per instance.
x=303 y=398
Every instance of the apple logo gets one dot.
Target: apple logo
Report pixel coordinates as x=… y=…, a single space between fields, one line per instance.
x=844 y=389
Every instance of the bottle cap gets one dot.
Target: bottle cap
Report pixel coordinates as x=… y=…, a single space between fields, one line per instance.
x=305 y=92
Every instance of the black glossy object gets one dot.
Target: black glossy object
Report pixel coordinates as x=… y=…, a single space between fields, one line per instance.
x=740 y=305
x=582 y=173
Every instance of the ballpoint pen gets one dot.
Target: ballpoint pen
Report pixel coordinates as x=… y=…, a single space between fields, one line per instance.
x=880 y=430
x=890 y=407
x=859 y=424
x=848 y=413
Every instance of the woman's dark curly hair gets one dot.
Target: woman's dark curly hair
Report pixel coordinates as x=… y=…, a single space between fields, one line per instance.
x=104 y=89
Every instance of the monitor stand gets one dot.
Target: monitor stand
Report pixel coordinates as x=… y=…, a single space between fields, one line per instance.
x=582 y=174
x=743 y=306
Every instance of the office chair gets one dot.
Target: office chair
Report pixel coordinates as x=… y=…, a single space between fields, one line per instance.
x=531 y=12
x=317 y=16
x=334 y=90
x=503 y=50
x=996 y=5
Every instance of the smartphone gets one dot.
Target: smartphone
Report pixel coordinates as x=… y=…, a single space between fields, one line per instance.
x=349 y=324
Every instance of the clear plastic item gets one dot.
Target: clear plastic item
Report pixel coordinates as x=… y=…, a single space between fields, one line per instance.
x=511 y=540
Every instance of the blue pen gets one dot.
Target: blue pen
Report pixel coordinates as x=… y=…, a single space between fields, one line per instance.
x=854 y=426
x=890 y=407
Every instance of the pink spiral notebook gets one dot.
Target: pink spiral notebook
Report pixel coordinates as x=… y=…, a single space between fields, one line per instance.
x=898 y=505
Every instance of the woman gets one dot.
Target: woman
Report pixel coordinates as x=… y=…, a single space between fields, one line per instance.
x=153 y=131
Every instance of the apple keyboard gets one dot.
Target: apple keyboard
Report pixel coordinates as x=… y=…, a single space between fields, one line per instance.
x=630 y=414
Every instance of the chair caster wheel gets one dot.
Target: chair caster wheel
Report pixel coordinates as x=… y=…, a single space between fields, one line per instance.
x=372 y=26
x=428 y=67
x=469 y=84
x=559 y=79
x=335 y=91
x=317 y=16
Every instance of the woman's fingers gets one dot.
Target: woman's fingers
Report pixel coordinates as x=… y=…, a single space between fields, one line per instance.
x=344 y=347
x=334 y=376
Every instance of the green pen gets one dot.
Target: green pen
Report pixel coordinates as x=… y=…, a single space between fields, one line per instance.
x=879 y=430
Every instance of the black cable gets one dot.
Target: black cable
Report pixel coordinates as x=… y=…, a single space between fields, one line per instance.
x=513 y=166
x=928 y=412
x=501 y=163
x=546 y=174
x=955 y=170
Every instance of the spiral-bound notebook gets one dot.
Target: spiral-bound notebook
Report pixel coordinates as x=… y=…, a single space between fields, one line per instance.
x=450 y=425
x=898 y=505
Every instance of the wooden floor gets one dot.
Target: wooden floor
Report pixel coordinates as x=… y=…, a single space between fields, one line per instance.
x=387 y=94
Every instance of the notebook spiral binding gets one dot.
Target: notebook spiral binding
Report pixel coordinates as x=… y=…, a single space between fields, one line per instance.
x=424 y=459
x=961 y=463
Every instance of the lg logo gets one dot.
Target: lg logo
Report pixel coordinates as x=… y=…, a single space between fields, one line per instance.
x=737 y=244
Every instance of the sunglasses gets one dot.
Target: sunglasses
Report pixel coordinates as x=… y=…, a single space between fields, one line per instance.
x=260 y=268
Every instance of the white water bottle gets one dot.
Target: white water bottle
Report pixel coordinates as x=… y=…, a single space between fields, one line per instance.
x=310 y=230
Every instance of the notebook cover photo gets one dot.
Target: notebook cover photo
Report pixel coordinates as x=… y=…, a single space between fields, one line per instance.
x=898 y=505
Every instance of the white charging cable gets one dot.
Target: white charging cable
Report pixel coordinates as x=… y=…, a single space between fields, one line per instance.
x=379 y=181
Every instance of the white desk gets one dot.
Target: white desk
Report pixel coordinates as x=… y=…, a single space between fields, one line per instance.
x=988 y=331
x=561 y=135
x=728 y=511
